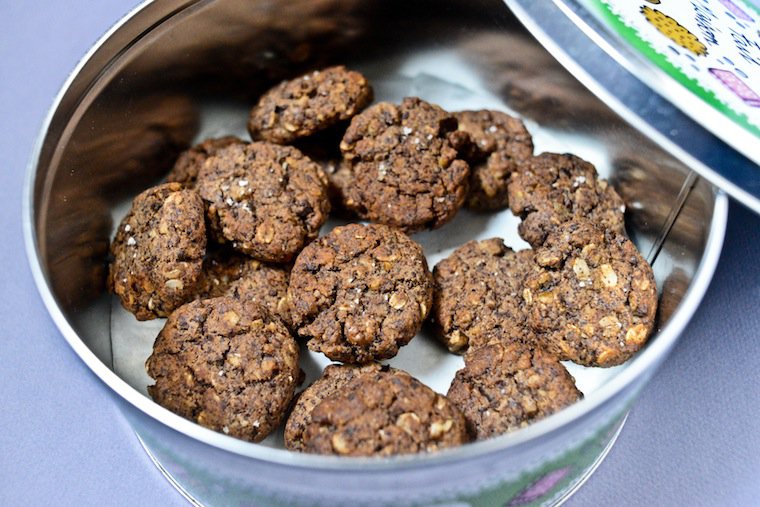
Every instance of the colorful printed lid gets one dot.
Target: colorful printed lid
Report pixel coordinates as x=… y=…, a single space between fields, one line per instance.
x=685 y=72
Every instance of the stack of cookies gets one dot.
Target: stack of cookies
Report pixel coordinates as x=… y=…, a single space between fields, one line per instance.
x=228 y=250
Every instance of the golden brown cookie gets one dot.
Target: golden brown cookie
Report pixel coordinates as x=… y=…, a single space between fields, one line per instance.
x=403 y=169
x=499 y=143
x=382 y=414
x=591 y=298
x=504 y=387
x=333 y=379
x=308 y=104
x=360 y=292
x=190 y=161
x=227 y=364
x=158 y=251
x=267 y=200
x=552 y=189
x=477 y=295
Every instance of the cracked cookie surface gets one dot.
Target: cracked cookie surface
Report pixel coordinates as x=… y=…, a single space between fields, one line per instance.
x=189 y=162
x=591 y=298
x=360 y=292
x=552 y=189
x=381 y=414
x=505 y=387
x=403 y=169
x=478 y=295
x=226 y=273
x=308 y=104
x=333 y=378
x=267 y=200
x=226 y=364
x=158 y=251
x=499 y=144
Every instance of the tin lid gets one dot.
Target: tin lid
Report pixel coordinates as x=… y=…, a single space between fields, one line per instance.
x=686 y=74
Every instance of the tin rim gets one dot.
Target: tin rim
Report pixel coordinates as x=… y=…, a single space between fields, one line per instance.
x=669 y=117
x=645 y=362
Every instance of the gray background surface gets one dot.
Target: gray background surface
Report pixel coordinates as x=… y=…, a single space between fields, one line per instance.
x=692 y=439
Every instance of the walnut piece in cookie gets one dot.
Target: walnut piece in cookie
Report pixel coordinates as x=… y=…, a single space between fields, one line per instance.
x=552 y=189
x=404 y=169
x=477 y=295
x=499 y=144
x=269 y=201
x=227 y=364
x=309 y=103
x=591 y=298
x=360 y=292
x=504 y=387
x=190 y=161
x=382 y=414
x=227 y=273
x=333 y=379
x=158 y=251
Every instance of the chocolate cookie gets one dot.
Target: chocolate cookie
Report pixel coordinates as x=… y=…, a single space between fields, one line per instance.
x=226 y=273
x=499 y=143
x=404 y=169
x=360 y=292
x=308 y=104
x=382 y=414
x=478 y=295
x=226 y=364
x=158 y=251
x=333 y=379
x=553 y=189
x=504 y=387
x=267 y=200
x=591 y=298
x=190 y=161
